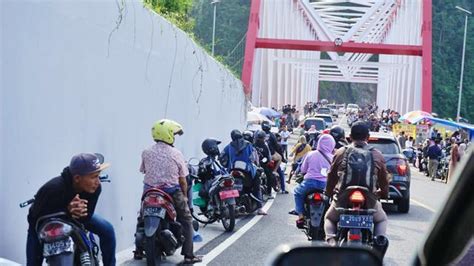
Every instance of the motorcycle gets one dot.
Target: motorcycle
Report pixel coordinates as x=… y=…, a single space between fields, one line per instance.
x=356 y=221
x=64 y=240
x=158 y=232
x=247 y=202
x=214 y=194
x=316 y=205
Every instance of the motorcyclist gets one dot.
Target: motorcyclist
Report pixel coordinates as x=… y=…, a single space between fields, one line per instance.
x=276 y=152
x=264 y=157
x=339 y=135
x=165 y=168
x=299 y=150
x=338 y=172
x=315 y=169
x=75 y=191
x=240 y=154
x=248 y=136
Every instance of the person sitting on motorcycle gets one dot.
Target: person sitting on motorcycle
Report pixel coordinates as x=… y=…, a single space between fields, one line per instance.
x=76 y=191
x=299 y=150
x=315 y=167
x=165 y=168
x=240 y=154
x=248 y=136
x=276 y=152
x=263 y=151
x=339 y=135
x=338 y=172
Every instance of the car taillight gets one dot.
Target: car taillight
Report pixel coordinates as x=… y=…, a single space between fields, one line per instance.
x=357 y=197
x=401 y=167
x=154 y=201
x=317 y=197
x=55 y=230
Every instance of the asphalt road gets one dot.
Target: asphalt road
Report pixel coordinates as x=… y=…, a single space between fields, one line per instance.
x=256 y=237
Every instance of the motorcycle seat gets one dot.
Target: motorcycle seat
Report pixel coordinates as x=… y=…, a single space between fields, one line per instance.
x=159 y=191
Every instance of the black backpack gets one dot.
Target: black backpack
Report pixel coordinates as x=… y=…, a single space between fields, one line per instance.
x=358 y=166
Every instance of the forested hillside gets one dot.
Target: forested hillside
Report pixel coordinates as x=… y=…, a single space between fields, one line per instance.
x=448 y=29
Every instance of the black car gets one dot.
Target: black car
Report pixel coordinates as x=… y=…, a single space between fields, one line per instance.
x=397 y=167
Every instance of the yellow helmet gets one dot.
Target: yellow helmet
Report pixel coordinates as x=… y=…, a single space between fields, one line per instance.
x=165 y=129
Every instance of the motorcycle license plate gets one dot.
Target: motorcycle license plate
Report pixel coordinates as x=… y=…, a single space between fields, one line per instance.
x=234 y=193
x=58 y=247
x=356 y=221
x=154 y=211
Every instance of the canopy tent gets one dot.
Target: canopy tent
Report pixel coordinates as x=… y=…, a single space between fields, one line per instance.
x=467 y=127
x=414 y=117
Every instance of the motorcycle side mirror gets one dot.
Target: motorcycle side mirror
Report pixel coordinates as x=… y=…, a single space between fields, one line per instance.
x=324 y=255
x=264 y=160
x=100 y=157
x=193 y=161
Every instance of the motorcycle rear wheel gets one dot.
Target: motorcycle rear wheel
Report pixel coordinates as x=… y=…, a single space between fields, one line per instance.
x=201 y=216
x=152 y=251
x=229 y=221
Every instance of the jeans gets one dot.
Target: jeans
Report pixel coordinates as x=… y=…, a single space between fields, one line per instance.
x=282 y=178
x=302 y=190
x=284 y=147
x=97 y=225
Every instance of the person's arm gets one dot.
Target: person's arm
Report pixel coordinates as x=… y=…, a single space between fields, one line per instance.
x=304 y=165
x=333 y=176
x=183 y=173
x=382 y=175
x=142 y=165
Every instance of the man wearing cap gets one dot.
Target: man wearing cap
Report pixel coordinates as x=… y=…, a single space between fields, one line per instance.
x=359 y=136
x=75 y=192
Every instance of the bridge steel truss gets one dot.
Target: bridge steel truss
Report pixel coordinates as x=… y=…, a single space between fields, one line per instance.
x=285 y=40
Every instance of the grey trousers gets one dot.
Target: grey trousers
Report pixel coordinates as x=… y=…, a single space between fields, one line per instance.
x=332 y=217
x=433 y=167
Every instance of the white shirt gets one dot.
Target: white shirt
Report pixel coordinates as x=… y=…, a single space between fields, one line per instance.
x=408 y=144
x=284 y=137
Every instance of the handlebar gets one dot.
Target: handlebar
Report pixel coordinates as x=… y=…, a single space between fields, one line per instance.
x=26 y=203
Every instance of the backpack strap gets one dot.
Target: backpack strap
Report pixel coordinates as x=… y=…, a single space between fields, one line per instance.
x=372 y=169
x=344 y=163
x=325 y=157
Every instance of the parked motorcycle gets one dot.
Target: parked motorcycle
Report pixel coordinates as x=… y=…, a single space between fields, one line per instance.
x=356 y=221
x=64 y=240
x=214 y=194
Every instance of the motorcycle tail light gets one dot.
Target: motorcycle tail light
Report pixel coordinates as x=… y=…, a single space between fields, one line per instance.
x=354 y=237
x=317 y=197
x=402 y=167
x=55 y=230
x=154 y=201
x=228 y=183
x=357 y=197
x=236 y=174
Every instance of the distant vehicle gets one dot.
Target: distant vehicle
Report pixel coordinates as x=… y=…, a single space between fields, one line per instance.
x=341 y=108
x=324 y=110
x=334 y=111
x=326 y=118
x=397 y=167
x=318 y=122
x=324 y=101
x=352 y=108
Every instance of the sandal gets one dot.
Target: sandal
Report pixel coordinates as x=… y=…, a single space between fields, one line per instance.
x=192 y=260
x=293 y=212
x=300 y=223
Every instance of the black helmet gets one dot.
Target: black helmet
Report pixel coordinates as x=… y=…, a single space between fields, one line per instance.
x=235 y=134
x=210 y=147
x=337 y=132
x=260 y=135
x=266 y=126
x=248 y=136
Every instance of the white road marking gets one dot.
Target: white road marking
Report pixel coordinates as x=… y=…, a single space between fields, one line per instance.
x=234 y=237
x=423 y=205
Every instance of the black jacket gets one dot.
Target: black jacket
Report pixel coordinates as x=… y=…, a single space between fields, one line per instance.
x=55 y=196
x=273 y=144
x=263 y=150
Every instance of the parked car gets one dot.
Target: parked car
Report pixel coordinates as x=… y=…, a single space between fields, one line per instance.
x=326 y=118
x=352 y=108
x=397 y=166
x=318 y=122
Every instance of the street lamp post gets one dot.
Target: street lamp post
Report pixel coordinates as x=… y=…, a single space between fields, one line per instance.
x=214 y=25
x=462 y=61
